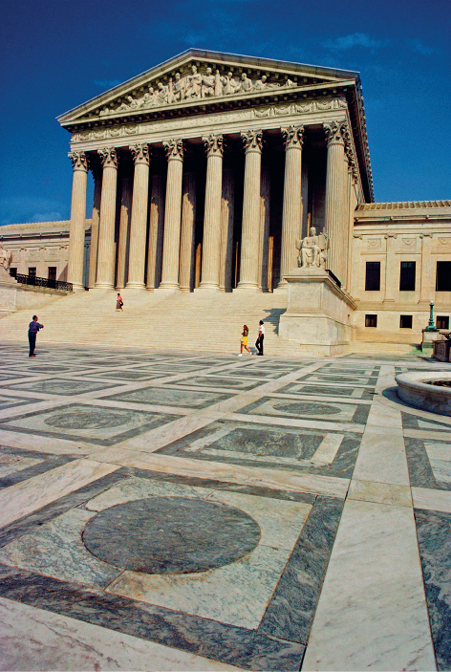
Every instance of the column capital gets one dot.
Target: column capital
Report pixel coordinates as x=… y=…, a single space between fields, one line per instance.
x=293 y=137
x=174 y=149
x=79 y=160
x=253 y=140
x=140 y=153
x=108 y=157
x=334 y=133
x=214 y=144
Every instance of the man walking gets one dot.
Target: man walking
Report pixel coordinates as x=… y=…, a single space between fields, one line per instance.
x=260 y=339
x=32 y=331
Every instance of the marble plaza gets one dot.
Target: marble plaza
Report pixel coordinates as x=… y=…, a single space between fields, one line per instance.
x=173 y=511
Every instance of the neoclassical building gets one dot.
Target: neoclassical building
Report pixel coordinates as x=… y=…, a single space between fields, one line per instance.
x=211 y=168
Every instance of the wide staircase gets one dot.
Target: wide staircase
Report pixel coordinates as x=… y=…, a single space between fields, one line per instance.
x=197 y=322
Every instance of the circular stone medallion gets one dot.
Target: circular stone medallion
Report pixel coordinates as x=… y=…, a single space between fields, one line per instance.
x=171 y=535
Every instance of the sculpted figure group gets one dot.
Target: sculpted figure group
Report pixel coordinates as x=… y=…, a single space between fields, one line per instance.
x=194 y=86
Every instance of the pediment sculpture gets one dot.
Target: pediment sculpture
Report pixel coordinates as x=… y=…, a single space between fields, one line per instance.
x=313 y=250
x=195 y=85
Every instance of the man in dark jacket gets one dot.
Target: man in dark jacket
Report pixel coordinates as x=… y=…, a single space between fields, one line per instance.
x=32 y=331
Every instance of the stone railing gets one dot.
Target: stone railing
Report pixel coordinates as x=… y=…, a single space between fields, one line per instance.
x=34 y=281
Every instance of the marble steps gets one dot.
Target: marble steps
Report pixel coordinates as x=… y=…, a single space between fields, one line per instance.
x=374 y=348
x=207 y=321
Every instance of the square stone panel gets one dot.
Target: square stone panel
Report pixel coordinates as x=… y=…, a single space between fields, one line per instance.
x=291 y=408
x=62 y=386
x=317 y=452
x=164 y=396
x=331 y=391
x=218 y=381
x=128 y=375
x=94 y=424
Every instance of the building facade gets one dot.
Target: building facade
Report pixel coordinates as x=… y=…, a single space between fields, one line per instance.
x=210 y=169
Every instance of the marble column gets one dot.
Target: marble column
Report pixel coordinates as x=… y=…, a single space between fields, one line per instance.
x=250 y=233
x=138 y=226
x=124 y=231
x=211 y=245
x=428 y=273
x=97 y=173
x=227 y=222
x=106 y=247
x=265 y=195
x=77 y=219
x=334 y=195
x=156 y=222
x=292 y=200
x=187 y=236
x=172 y=215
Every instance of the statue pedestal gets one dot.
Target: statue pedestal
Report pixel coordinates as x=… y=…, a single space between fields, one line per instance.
x=319 y=313
x=7 y=292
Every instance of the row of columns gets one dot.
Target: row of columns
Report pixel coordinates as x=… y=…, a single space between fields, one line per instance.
x=179 y=214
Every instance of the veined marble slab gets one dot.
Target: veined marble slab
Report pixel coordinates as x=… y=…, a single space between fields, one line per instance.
x=372 y=613
x=439 y=455
x=45 y=444
x=382 y=458
x=380 y=493
x=34 y=639
x=56 y=549
x=279 y=479
x=432 y=500
x=23 y=498
x=236 y=594
x=10 y=463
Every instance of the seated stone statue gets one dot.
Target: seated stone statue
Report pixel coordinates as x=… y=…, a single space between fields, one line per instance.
x=313 y=250
x=5 y=257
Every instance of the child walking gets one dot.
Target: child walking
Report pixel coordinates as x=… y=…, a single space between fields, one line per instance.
x=244 y=336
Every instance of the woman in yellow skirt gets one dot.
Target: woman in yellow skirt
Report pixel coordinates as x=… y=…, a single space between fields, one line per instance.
x=244 y=336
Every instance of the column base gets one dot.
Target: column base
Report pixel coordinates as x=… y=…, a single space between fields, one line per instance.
x=135 y=285
x=76 y=287
x=211 y=286
x=248 y=287
x=104 y=285
x=168 y=287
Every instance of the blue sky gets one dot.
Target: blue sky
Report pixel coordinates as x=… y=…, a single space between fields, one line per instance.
x=57 y=55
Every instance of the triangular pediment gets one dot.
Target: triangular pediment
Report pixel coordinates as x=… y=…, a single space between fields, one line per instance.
x=203 y=79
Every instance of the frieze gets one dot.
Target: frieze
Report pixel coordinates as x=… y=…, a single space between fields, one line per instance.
x=408 y=242
x=267 y=111
x=444 y=241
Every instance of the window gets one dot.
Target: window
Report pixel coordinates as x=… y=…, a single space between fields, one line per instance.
x=13 y=272
x=443 y=276
x=442 y=322
x=370 y=320
x=405 y=321
x=407 y=276
x=32 y=272
x=52 y=275
x=373 y=276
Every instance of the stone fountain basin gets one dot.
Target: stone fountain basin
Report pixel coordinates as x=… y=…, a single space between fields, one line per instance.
x=415 y=391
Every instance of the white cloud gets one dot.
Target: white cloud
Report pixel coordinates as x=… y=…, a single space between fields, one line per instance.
x=355 y=40
x=420 y=47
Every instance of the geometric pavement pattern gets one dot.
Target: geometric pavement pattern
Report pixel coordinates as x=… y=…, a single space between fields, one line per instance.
x=209 y=512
